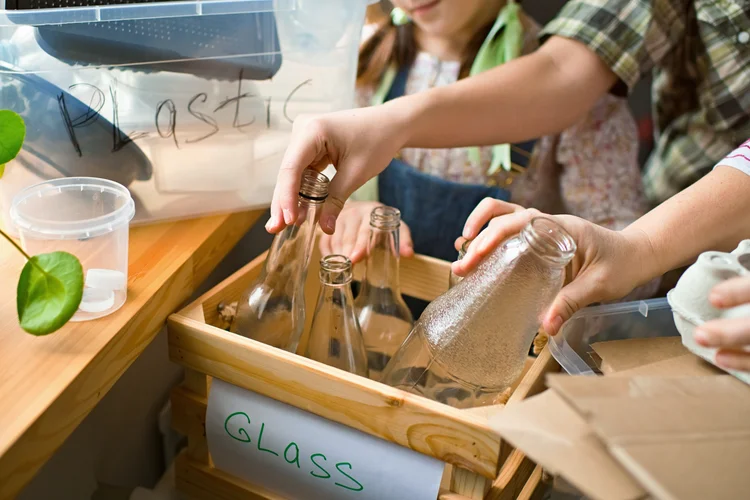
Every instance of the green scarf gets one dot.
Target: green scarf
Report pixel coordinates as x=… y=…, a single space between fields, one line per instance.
x=503 y=43
x=500 y=46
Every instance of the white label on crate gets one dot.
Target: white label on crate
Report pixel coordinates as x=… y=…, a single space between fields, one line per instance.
x=302 y=456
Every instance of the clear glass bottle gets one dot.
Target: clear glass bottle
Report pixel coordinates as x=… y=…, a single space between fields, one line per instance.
x=471 y=342
x=272 y=309
x=383 y=315
x=335 y=337
x=454 y=279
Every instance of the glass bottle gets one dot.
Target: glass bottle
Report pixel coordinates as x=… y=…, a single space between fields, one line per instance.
x=272 y=309
x=454 y=279
x=471 y=342
x=383 y=315
x=335 y=337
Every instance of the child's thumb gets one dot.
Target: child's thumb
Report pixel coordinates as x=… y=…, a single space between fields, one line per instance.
x=571 y=299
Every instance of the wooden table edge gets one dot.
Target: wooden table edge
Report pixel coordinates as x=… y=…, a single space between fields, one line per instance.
x=25 y=456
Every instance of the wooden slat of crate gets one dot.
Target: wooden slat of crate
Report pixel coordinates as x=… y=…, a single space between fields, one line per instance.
x=189 y=411
x=425 y=426
x=517 y=469
x=203 y=482
x=421 y=277
x=200 y=481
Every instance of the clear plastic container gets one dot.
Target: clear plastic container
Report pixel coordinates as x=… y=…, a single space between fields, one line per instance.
x=642 y=319
x=188 y=104
x=88 y=218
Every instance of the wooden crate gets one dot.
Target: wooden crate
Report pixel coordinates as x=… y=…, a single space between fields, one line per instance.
x=479 y=464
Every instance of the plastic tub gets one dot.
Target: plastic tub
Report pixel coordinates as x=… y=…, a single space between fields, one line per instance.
x=88 y=218
x=188 y=104
x=643 y=319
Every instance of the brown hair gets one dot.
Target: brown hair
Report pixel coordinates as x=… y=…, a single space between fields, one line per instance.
x=396 y=45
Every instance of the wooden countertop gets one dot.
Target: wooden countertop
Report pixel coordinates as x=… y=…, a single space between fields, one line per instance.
x=49 y=384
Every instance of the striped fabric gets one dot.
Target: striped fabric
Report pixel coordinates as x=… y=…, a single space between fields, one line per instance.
x=739 y=158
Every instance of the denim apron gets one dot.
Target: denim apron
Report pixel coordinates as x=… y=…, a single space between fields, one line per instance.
x=434 y=209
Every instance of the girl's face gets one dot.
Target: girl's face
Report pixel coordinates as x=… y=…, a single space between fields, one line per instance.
x=448 y=18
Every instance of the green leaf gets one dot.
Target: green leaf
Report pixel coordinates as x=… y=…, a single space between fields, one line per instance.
x=2 y=169
x=49 y=291
x=12 y=133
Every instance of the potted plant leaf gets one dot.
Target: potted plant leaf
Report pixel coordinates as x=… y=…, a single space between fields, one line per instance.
x=50 y=286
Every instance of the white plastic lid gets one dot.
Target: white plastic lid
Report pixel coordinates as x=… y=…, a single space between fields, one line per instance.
x=105 y=279
x=95 y=300
x=72 y=208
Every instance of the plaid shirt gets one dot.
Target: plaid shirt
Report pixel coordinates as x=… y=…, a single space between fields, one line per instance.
x=699 y=51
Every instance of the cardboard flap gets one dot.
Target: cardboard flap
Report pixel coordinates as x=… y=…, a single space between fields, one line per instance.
x=681 y=447
x=685 y=365
x=620 y=355
x=576 y=389
x=663 y=423
x=553 y=435
x=661 y=356
x=697 y=470
x=669 y=419
x=680 y=437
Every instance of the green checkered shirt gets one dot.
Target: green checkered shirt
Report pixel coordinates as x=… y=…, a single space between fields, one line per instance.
x=699 y=52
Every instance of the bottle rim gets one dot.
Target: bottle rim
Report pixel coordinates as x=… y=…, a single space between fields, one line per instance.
x=385 y=217
x=549 y=240
x=335 y=269
x=314 y=186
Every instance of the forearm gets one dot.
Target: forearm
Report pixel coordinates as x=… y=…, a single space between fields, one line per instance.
x=713 y=214
x=539 y=94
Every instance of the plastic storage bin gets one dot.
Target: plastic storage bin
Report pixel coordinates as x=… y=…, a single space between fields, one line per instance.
x=643 y=319
x=88 y=218
x=188 y=104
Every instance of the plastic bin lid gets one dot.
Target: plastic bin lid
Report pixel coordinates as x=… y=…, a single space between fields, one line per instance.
x=566 y=350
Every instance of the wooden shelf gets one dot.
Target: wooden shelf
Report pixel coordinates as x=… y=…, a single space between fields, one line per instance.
x=49 y=384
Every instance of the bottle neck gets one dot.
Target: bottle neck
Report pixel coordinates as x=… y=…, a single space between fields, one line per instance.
x=339 y=296
x=291 y=249
x=382 y=269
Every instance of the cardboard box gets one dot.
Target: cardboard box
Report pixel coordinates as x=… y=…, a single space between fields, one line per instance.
x=661 y=423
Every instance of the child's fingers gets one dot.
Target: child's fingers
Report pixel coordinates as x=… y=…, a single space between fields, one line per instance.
x=338 y=237
x=486 y=210
x=730 y=293
x=728 y=333
x=359 y=249
x=733 y=360
x=406 y=245
x=324 y=244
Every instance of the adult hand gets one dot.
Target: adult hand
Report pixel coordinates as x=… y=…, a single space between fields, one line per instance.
x=730 y=335
x=359 y=143
x=353 y=232
x=607 y=264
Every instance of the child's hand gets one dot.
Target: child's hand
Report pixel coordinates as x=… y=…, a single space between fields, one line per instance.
x=353 y=233
x=359 y=143
x=730 y=336
x=607 y=265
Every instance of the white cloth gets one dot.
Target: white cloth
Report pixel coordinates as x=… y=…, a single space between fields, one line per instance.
x=739 y=158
